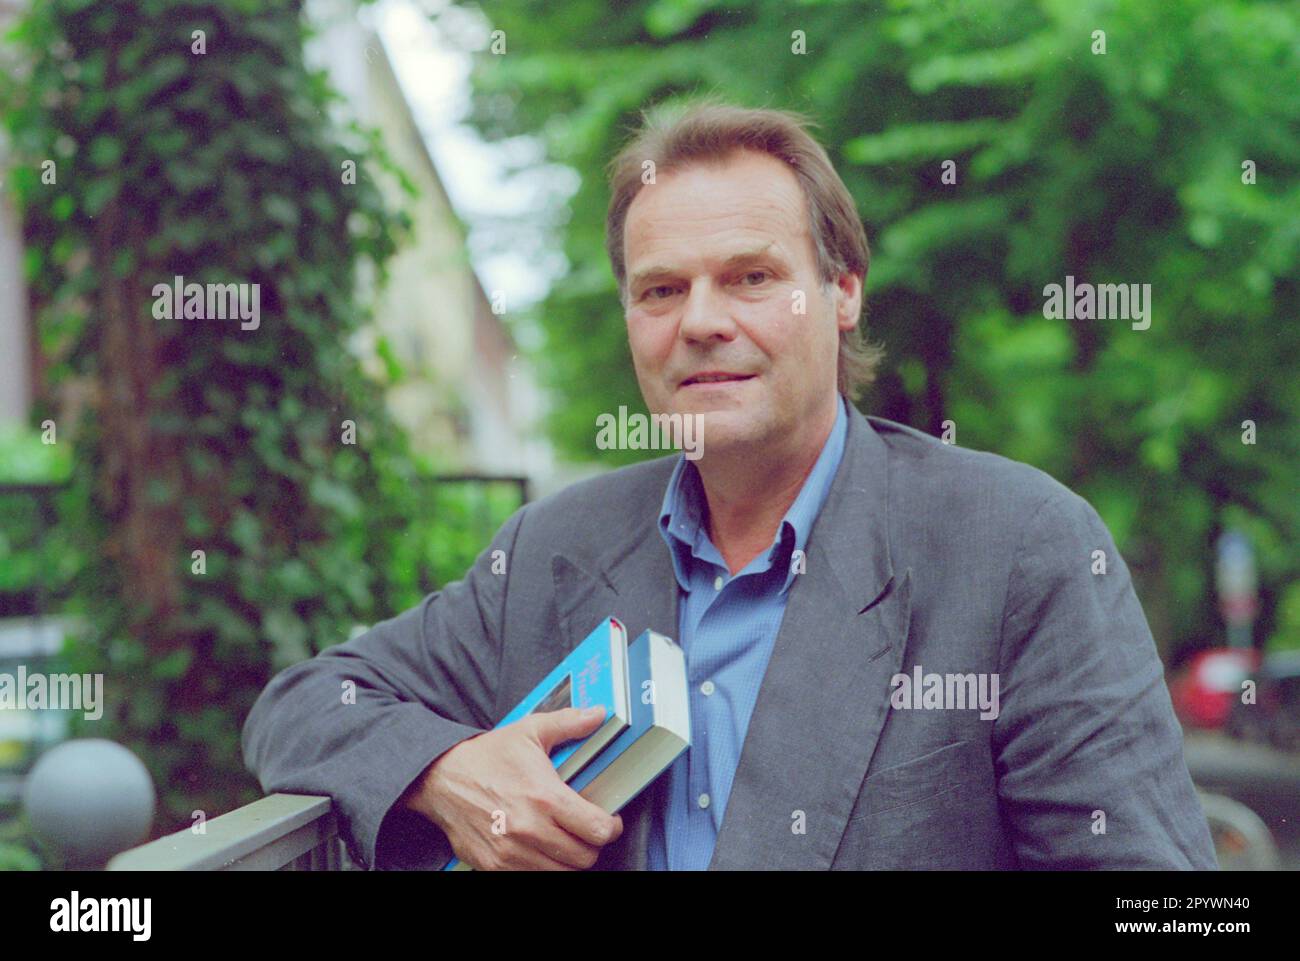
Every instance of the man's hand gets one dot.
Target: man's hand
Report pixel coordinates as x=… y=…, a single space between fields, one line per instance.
x=504 y=779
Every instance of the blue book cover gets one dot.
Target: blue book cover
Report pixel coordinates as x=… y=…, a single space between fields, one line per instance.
x=643 y=715
x=660 y=728
x=593 y=674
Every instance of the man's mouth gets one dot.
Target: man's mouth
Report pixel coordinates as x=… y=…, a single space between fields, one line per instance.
x=715 y=377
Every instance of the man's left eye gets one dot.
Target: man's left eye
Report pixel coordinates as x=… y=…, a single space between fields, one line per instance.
x=760 y=274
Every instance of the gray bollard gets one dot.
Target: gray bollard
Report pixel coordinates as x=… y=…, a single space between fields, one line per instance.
x=91 y=799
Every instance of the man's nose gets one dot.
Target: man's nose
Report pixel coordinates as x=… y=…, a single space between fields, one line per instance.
x=706 y=314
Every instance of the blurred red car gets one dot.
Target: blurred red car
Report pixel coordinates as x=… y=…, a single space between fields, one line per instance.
x=1205 y=692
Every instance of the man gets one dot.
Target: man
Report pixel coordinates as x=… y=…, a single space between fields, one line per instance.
x=818 y=567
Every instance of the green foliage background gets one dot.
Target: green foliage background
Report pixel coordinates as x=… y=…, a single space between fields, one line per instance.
x=1120 y=168
x=1117 y=168
x=225 y=168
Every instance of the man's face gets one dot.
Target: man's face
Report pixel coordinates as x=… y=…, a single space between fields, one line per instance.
x=717 y=259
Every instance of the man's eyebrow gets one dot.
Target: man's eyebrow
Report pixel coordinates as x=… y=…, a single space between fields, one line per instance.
x=641 y=276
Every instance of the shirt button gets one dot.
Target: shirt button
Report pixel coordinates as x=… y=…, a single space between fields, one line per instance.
x=706 y=688
x=704 y=800
x=717 y=583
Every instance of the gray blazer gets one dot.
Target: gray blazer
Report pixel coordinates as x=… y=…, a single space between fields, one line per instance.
x=925 y=555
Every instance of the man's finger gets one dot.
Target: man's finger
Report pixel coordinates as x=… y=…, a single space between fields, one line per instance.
x=559 y=851
x=585 y=820
x=552 y=728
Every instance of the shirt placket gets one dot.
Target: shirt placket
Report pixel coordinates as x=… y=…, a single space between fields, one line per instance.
x=702 y=804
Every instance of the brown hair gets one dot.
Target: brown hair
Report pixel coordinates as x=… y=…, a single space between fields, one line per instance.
x=707 y=130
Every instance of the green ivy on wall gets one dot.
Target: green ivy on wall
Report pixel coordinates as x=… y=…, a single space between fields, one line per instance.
x=137 y=155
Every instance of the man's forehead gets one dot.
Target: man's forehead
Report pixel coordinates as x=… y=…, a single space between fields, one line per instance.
x=652 y=257
x=733 y=212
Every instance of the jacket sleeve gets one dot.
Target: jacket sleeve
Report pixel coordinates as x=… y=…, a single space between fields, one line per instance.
x=1089 y=754
x=360 y=721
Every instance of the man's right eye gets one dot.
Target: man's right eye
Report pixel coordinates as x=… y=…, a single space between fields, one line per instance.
x=652 y=292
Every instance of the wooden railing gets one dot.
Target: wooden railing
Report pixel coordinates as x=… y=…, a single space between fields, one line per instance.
x=282 y=832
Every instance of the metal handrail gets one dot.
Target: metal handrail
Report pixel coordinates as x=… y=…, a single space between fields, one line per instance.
x=294 y=832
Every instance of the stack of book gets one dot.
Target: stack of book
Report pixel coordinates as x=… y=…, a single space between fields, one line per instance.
x=642 y=686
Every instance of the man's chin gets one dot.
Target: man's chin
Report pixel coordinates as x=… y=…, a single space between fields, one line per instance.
x=724 y=431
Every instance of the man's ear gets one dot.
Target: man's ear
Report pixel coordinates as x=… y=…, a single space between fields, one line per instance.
x=847 y=295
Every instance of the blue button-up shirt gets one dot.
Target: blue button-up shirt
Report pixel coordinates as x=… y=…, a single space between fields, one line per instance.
x=727 y=627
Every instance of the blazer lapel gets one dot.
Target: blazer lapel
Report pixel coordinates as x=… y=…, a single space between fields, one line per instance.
x=825 y=695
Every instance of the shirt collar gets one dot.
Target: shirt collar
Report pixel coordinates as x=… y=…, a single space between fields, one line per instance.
x=681 y=515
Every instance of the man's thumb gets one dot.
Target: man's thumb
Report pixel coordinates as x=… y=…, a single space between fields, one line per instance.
x=556 y=727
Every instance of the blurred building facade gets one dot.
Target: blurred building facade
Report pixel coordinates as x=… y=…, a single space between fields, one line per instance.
x=467 y=397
